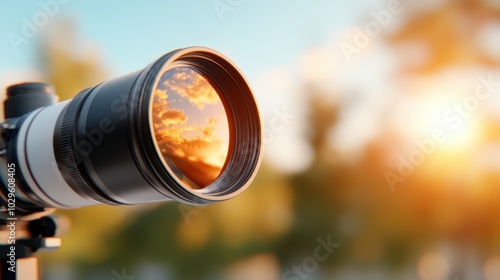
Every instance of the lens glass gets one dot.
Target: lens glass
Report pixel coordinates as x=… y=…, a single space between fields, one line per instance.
x=190 y=126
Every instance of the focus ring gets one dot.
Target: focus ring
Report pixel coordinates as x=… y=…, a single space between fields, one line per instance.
x=67 y=147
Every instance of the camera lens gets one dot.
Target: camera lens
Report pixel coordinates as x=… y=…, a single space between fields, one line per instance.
x=190 y=127
x=184 y=128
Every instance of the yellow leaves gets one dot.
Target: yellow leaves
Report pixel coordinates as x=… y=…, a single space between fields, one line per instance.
x=89 y=226
x=264 y=213
x=261 y=267
x=195 y=235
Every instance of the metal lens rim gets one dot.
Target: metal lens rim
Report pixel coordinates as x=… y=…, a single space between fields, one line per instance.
x=245 y=148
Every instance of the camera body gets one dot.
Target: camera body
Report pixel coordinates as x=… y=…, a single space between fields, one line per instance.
x=22 y=99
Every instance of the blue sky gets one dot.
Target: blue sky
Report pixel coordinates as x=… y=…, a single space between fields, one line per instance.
x=256 y=34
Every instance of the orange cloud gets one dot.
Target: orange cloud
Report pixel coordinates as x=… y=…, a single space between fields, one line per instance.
x=192 y=86
x=172 y=116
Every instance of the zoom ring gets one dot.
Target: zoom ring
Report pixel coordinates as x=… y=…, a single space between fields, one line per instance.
x=68 y=151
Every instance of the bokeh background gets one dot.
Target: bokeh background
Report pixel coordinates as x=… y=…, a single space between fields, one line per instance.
x=382 y=135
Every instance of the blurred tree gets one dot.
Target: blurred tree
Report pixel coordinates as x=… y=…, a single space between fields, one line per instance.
x=449 y=34
x=200 y=243
x=454 y=34
x=70 y=64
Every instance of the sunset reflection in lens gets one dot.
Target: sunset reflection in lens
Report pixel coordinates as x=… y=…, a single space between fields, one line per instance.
x=190 y=126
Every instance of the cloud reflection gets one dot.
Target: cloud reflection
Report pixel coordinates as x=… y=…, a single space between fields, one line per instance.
x=193 y=87
x=191 y=126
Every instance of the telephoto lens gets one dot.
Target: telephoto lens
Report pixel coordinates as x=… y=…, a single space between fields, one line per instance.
x=185 y=128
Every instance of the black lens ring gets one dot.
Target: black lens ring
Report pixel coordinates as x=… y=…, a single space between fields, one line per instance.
x=243 y=113
x=66 y=152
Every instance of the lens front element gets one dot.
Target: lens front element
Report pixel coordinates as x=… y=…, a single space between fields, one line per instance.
x=190 y=126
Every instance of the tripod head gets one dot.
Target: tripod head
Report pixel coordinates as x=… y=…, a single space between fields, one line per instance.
x=20 y=241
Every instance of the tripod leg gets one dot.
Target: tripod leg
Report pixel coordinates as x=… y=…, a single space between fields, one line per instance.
x=25 y=269
x=17 y=264
x=28 y=269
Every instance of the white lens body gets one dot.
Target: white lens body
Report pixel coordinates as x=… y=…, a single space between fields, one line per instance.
x=37 y=162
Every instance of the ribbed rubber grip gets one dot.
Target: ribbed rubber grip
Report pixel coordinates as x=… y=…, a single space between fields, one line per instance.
x=68 y=151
